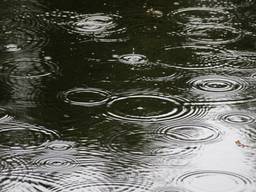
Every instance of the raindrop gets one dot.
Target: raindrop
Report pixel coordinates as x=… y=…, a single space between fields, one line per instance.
x=212 y=181
x=87 y=97
x=200 y=16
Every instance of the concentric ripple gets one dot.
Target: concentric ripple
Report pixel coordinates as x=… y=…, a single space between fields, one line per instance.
x=150 y=108
x=55 y=163
x=213 y=34
x=87 y=97
x=29 y=68
x=146 y=144
x=192 y=57
x=133 y=59
x=200 y=15
x=191 y=133
x=237 y=118
x=216 y=83
x=24 y=136
x=212 y=181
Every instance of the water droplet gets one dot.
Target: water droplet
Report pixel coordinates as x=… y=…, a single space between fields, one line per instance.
x=133 y=59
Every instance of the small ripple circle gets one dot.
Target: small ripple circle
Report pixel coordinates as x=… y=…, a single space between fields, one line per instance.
x=87 y=97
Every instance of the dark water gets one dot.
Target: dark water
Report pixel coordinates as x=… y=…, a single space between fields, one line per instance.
x=134 y=96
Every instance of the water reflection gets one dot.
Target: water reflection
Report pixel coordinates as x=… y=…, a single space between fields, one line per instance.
x=127 y=96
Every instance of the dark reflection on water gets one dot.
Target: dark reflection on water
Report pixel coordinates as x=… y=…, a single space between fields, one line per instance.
x=127 y=96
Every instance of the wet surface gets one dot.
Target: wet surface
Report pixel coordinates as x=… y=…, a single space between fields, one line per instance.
x=129 y=96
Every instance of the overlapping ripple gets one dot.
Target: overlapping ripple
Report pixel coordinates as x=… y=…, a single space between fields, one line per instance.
x=213 y=34
x=19 y=38
x=150 y=108
x=191 y=133
x=212 y=181
x=22 y=136
x=200 y=16
x=192 y=57
x=149 y=144
x=29 y=68
x=89 y=27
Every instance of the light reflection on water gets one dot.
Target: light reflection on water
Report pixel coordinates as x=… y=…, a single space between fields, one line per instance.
x=127 y=96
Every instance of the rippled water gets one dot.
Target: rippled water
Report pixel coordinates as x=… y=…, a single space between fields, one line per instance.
x=132 y=96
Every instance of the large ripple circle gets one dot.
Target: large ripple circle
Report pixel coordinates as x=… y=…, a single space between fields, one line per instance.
x=149 y=108
x=200 y=15
x=212 y=181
